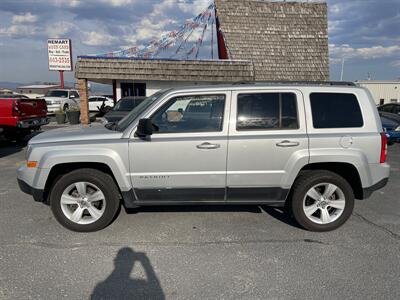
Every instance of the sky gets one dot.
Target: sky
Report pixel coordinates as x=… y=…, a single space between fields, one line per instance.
x=366 y=33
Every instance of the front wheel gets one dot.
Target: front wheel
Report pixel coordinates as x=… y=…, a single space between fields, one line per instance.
x=322 y=200
x=85 y=200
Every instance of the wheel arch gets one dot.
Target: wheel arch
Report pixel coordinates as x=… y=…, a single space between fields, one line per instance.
x=346 y=170
x=61 y=169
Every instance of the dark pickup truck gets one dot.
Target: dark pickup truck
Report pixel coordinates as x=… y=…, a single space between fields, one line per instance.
x=20 y=115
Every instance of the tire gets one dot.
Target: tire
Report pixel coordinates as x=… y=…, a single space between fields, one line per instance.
x=67 y=203
x=318 y=215
x=65 y=107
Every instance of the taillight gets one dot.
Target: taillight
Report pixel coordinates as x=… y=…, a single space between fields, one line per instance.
x=15 y=109
x=384 y=141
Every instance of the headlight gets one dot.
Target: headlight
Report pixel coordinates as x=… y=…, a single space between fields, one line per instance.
x=397 y=129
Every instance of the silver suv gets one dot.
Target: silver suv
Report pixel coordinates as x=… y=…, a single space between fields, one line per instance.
x=312 y=149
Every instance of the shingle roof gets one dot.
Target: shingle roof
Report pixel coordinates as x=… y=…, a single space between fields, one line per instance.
x=285 y=40
x=174 y=70
x=266 y=41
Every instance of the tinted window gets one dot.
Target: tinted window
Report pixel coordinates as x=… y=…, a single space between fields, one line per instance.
x=125 y=105
x=335 y=110
x=75 y=94
x=57 y=93
x=191 y=114
x=386 y=108
x=264 y=111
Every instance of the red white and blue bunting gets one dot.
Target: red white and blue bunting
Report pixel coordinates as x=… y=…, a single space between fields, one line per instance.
x=176 y=44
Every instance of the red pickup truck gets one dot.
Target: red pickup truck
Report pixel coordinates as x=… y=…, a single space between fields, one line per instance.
x=20 y=115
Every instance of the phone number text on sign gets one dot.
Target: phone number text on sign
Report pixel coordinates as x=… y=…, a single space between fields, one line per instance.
x=60 y=54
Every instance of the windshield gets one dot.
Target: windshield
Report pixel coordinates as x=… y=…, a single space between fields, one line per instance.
x=55 y=93
x=138 y=110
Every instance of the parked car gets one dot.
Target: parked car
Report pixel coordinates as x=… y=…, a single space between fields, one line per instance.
x=392 y=129
x=61 y=99
x=123 y=107
x=19 y=115
x=393 y=108
x=96 y=102
x=312 y=149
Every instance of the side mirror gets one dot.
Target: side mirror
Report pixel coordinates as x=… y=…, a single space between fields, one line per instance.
x=145 y=128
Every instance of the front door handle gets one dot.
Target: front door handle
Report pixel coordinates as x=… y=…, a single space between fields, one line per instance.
x=288 y=144
x=208 y=146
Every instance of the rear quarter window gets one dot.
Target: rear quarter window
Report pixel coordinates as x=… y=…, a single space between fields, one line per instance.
x=336 y=110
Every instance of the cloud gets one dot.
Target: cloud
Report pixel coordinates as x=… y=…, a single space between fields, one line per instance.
x=24 y=18
x=66 y=3
x=195 y=7
x=18 y=31
x=58 y=29
x=118 y=3
x=396 y=64
x=94 y=38
x=337 y=52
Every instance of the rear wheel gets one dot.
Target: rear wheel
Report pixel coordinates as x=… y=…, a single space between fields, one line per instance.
x=85 y=200
x=322 y=200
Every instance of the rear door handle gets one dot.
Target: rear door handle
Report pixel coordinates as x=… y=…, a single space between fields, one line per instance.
x=208 y=146
x=288 y=144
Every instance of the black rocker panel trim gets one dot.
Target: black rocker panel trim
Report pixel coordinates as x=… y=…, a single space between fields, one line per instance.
x=181 y=195
x=257 y=194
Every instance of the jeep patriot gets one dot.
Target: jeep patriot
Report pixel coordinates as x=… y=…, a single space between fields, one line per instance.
x=310 y=148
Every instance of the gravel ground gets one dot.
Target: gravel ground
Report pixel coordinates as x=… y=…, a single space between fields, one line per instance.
x=231 y=252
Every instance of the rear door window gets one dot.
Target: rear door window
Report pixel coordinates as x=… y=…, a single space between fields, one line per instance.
x=335 y=110
x=266 y=111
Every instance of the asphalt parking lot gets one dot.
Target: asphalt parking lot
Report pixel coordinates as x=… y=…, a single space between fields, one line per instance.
x=233 y=252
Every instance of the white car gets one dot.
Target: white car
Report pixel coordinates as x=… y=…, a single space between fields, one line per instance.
x=61 y=99
x=95 y=102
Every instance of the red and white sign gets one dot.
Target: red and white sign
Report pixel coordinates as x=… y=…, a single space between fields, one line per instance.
x=60 y=54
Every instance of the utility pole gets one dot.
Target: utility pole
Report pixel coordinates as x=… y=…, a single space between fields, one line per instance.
x=341 y=73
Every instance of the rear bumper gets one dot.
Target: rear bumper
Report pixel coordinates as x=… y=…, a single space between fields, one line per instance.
x=38 y=195
x=30 y=123
x=367 y=192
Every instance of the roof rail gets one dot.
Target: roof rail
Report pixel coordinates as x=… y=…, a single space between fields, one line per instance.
x=330 y=83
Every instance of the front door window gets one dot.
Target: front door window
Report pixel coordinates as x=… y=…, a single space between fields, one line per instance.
x=191 y=114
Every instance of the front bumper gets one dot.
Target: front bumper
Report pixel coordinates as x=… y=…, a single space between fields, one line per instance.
x=38 y=195
x=32 y=181
x=52 y=108
x=30 y=123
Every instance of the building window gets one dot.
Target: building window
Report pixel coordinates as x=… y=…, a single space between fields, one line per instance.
x=335 y=110
x=393 y=100
x=266 y=111
x=133 y=89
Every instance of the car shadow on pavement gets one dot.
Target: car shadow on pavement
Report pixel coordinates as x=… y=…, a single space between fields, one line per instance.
x=8 y=148
x=280 y=215
x=120 y=285
x=195 y=208
x=11 y=147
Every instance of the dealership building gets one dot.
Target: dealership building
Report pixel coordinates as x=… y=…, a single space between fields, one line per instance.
x=257 y=41
x=383 y=91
